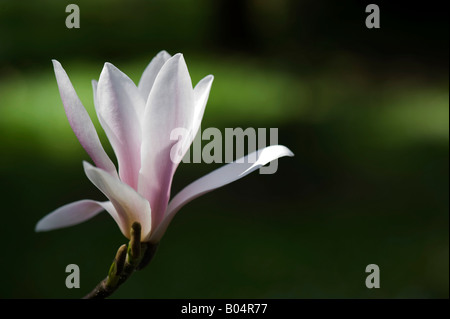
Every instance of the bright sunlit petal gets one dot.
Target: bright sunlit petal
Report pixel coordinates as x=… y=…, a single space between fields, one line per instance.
x=81 y=122
x=151 y=71
x=73 y=214
x=218 y=178
x=120 y=108
x=130 y=206
x=170 y=105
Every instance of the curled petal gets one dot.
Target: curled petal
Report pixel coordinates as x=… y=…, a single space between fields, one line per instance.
x=130 y=206
x=218 y=178
x=81 y=122
x=74 y=213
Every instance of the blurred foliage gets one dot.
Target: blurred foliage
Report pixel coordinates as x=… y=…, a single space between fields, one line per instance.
x=366 y=113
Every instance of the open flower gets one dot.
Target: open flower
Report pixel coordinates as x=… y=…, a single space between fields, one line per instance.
x=138 y=121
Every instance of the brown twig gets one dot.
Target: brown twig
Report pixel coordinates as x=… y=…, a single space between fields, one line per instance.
x=128 y=259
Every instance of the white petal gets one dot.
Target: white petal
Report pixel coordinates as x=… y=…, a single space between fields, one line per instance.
x=120 y=109
x=170 y=106
x=201 y=94
x=81 y=122
x=218 y=178
x=151 y=71
x=73 y=214
x=130 y=206
x=94 y=90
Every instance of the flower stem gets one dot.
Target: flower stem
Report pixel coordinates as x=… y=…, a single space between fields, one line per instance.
x=128 y=259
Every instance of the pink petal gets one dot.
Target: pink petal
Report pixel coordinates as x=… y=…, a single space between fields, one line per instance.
x=151 y=71
x=201 y=94
x=74 y=213
x=130 y=206
x=170 y=105
x=81 y=122
x=218 y=178
x=120 y=109
x=94 y=90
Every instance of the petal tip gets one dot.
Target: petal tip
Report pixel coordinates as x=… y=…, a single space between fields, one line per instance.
x=163 y=53
x=38 y=228
x=87 y=165
x=41 y=226
x=283 y=149
x=107 y=67
x=56 y=65
x=178 y=57
x=290 y=153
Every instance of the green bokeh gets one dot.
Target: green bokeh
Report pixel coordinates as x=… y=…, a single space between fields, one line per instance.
x=368 y=123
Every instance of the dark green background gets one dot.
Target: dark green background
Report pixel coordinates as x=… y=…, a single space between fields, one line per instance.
x=365 y=111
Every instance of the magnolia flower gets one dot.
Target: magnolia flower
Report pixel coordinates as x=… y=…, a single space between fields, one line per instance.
x=138 y=121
